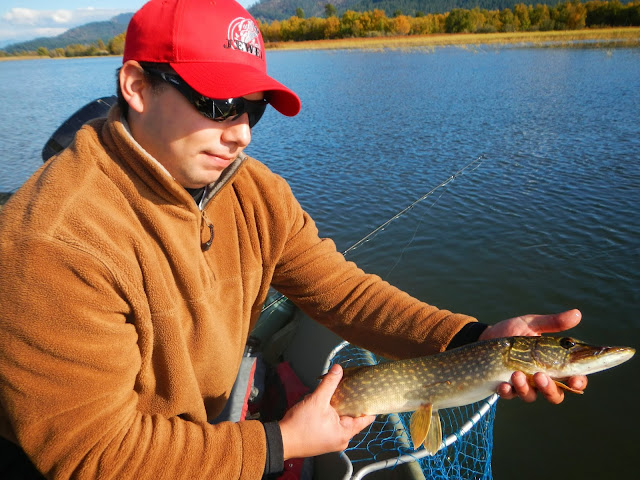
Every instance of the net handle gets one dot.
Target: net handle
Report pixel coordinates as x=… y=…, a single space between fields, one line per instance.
x=332 y=354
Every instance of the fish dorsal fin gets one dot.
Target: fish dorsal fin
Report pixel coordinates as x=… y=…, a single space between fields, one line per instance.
x=426 y=429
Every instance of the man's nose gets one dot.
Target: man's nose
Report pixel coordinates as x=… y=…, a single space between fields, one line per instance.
x=238 y=131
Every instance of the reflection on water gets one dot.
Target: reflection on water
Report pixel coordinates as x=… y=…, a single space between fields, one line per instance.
x=549 y=221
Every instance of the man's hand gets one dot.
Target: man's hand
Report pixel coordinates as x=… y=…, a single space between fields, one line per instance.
x=535 y=325
x=313 y=427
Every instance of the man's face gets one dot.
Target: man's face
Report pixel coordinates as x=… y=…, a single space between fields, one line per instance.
x=194 y=149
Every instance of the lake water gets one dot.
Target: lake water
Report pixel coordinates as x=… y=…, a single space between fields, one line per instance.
x=548 y=221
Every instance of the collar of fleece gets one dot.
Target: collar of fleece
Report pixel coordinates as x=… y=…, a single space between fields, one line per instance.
x=117 y=130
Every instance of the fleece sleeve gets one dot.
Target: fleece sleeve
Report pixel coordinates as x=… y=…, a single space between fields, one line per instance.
x=360 y=307
x=69 y=360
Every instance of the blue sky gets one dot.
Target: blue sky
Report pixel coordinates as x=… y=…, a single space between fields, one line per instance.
x=22 y=20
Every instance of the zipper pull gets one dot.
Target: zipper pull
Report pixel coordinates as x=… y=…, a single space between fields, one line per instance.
x=206 y=232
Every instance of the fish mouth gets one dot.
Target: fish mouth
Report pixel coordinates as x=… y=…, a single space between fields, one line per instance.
x=586 y=359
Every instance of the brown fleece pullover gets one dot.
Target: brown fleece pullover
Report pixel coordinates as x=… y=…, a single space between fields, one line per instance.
x=120 y=332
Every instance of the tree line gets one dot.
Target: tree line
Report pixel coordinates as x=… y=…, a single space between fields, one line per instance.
x=569 y=15
x=115 y=46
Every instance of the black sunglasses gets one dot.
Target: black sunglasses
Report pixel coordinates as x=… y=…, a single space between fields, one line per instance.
x=214 y=109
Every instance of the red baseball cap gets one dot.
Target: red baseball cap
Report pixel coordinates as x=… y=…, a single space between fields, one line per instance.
x=214 y=45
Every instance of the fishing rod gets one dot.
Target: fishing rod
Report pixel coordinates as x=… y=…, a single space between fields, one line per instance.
x=474 y=163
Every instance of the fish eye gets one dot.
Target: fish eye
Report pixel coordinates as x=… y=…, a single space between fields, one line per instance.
x=567 y=343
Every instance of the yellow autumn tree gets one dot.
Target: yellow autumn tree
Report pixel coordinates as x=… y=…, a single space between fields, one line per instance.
x=115 y=46
x=331 y=27
x=401 y=25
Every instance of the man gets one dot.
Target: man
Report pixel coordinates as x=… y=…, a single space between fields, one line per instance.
x=135 y=263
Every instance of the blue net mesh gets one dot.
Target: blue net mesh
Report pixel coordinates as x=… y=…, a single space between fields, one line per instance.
x=387 y=439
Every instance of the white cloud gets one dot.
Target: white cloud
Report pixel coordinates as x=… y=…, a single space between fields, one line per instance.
x=27 y=16
x=62 y=16
x=21 y=16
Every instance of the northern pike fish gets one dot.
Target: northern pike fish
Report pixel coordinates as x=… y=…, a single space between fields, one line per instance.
x=462 y=376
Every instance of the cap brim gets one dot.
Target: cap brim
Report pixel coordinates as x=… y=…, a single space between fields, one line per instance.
x=228 y=80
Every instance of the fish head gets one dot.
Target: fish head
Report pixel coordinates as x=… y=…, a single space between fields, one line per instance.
x=561 y=357
x=585 y=359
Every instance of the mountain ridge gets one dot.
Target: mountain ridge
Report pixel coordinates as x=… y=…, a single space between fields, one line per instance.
x=82 y=34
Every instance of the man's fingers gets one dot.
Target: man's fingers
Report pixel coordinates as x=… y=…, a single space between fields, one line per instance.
x=579 y=382
x=522 y=388
x=352 y=426
x=356 y=424
x=555 y=323
x=506 y=391
x=527 y=389
x=548 y=388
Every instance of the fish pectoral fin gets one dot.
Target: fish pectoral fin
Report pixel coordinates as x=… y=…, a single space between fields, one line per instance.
x=530 y=380
x=434 y=435
x=567 y=387
x=420 y=423
x=426 y=428
x=558 y=383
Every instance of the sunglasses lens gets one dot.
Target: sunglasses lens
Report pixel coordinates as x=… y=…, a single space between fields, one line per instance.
x=235 y=107
x=256 y=115
x=255 y=110
x=223 y=109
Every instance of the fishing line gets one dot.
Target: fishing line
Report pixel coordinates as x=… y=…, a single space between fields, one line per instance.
x=471 y=166
x=376 y=230
x=478 y=162
x=413 y=237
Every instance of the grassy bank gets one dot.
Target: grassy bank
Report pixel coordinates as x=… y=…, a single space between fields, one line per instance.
x=588 y=38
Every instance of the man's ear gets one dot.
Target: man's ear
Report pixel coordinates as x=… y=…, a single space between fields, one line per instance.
x=134 y=86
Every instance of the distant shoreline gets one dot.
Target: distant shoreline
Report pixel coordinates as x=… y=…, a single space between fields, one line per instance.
x=43 y=57
x=587 y=38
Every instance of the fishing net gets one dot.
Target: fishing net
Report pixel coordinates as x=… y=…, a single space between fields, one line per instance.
x=385 y=444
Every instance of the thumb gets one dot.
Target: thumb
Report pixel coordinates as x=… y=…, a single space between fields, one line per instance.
x=555 y=323
x=329 y=383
